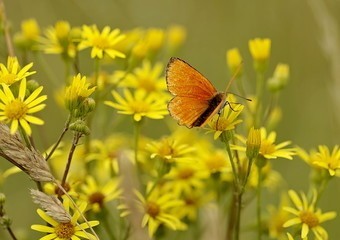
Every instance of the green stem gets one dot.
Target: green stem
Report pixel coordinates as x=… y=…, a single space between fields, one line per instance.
x=237 y=195
x=6 y=31
x=11 y=233
x=245 y=180
x=69 y=159
x=137 y=136
x=67 y=124
x=96 y=99
x=25 y=137
x=258 y=208
x=321 y=188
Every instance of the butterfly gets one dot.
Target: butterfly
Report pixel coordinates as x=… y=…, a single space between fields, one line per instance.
x=195 y=99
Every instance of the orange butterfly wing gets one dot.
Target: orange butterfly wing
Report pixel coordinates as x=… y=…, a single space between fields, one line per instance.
x=187 y=110
x=191 y=105
x=184 y=80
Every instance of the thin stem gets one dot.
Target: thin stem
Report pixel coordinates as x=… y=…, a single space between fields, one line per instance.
x=137 y=136
x=67 y=124
x=96 y=99
x=11 y=233
x=258 y=208
x=245 y=180
x=25 y=137
x=257 y=115
x=237 y=197
x=70 y=156
x=8 y=39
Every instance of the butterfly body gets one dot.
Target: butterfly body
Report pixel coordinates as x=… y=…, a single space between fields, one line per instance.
x=195 y=99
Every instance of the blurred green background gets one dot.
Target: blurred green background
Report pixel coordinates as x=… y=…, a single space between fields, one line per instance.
x=304 y=34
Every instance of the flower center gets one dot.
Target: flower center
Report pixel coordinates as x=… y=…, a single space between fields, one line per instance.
x=185 y=173
x=139 y=107
x=152 y=209
x=165 y=149
x=147 y=84
x=101 y=42
x=60 y=192
x=267 y=148
x=309 y=218
x=8 y=78
x=64 y=230
x=16 y=109
x=215 y=163
x=97 y=197
x=221 y=124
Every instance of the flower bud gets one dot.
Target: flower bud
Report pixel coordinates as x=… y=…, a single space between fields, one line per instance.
x=87 y=106
x=234 y=61
x=80 y=127
x=260 y=51
x=253 y=143
x=2 y=199
x=6 y=221
x=280 y=77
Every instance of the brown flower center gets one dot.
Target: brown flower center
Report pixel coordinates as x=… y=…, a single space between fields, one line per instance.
x=152 y=209
x=309 y=218
x=97 y=197
x=185 y=173
x=64 y=230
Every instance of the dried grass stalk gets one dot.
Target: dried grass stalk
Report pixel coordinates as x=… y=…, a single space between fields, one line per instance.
x=52 y=206
x=28 y=160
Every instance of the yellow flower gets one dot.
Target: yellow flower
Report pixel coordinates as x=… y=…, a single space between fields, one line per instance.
x=147 y=77
x=101 y=42
x=154 y=38
x=280 y=78
x=30 y=29
x=65 y=230
x=77 y=92
x=140 y=104
x=105 y=152
x=307 y=216
x=169 y=150
x=61 y=39
x=18 y=110
x=225 y=121
x=140 y=49
x=97 y=194
x=159 y=209
x=12 y=72
x=215 y=161
x=184 y=178
x=260 y=51
x=176 y=36
x=234 y=60
x=270 y=150
x=324 y=158
x=69 y=186
x=29 y=35
x=260 y=48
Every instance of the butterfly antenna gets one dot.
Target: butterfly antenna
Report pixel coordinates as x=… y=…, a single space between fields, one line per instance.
x=248 y=99
x=238 y=69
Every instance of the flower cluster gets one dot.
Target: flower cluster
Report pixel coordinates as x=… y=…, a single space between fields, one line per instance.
x=111 y=175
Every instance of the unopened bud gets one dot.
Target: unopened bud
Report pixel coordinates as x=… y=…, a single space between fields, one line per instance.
x=280 y=77
x=80 y=127
x=253 y=143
